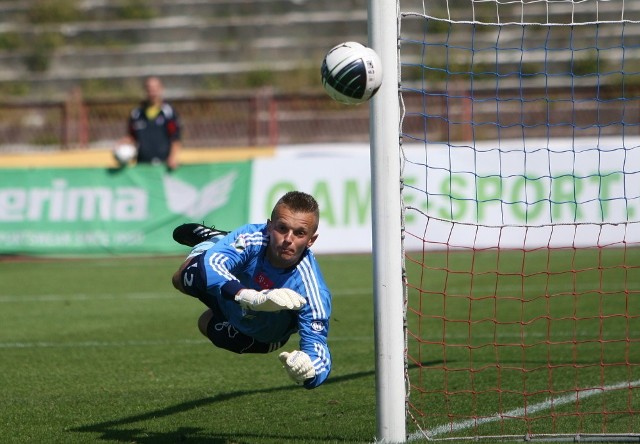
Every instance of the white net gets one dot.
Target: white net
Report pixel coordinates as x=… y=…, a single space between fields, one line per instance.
x=521 y=172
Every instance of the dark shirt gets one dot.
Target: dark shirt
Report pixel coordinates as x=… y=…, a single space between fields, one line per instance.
x=154 y=137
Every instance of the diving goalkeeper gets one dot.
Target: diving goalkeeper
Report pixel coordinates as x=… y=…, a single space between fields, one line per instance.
x=262 y=284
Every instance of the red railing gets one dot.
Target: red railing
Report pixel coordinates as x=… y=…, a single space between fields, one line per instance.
x=222 y=121
x=264 y=118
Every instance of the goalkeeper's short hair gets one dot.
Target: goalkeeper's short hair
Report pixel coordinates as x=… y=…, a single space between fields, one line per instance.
x=299 y=202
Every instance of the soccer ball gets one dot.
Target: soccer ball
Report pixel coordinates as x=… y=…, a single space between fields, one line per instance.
x=124 y=153
x=351 y=73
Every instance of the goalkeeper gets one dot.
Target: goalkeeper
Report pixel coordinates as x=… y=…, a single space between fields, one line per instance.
x=262 y=284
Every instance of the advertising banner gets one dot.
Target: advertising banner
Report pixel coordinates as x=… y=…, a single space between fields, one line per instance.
x=481 y=196
x=524 y=194
x=98 y=211
x=338 y=177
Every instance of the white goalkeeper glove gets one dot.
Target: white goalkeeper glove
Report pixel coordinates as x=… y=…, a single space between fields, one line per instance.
x=298 y=365
x=275 y=299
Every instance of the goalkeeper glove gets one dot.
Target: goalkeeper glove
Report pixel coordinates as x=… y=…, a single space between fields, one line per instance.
x=275 y=299
x=298 y=365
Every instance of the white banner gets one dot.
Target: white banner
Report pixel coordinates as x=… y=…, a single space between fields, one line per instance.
x=492 y=192
x=340 y=180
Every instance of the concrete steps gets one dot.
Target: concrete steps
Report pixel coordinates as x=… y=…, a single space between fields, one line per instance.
x=189 y=42
x=191 y=39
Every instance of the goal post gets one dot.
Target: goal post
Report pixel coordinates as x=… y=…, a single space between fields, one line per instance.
x=505 y=151
x=386 y=228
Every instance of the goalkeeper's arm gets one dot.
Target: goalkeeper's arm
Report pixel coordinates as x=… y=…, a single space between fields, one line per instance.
x=307 y=369
x=310 y=365
x=275 y=299
x=298 y=366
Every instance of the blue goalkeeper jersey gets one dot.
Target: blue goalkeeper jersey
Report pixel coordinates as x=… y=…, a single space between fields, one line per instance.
x=241 y=256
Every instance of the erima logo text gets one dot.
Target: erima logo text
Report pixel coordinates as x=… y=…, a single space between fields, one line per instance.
x=63 y=203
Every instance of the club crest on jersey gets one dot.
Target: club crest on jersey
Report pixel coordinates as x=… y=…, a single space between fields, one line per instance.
x=317 y=326
x=263 y=281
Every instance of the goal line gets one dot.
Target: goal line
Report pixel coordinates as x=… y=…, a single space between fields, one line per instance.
x=532 y=409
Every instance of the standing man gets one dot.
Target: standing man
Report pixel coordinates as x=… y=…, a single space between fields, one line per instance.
x=154 y=128
x=262 y=284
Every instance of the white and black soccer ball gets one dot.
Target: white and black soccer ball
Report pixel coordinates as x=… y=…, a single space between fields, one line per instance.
x=124 y=153
x=351 y=73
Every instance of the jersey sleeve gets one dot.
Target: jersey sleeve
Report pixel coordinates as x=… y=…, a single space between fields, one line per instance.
x=313 y=324
x=229 y=256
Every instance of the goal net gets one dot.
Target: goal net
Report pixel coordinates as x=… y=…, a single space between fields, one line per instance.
x=520 y=160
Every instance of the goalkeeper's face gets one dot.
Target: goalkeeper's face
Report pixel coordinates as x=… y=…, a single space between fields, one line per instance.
x=291 y=233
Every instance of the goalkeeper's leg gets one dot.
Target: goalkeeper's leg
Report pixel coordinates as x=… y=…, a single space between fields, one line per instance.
x=189 y=278
x=222 y=334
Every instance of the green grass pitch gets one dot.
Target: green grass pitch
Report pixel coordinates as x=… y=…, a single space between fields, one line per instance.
x=104 y=350
x=107 y=351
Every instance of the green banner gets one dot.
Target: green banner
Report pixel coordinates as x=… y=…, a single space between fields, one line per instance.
x=96 y=211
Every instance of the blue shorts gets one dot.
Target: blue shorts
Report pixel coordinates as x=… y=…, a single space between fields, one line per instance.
x=219 y=331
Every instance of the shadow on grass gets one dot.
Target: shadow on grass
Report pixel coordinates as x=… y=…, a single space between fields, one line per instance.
x=113 y=431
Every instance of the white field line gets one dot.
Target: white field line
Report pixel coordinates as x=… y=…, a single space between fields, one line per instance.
x=515 y=289
x=520 y=412
x=111 y=296
x=96 y=344
x=92 y=344
x=84 y=297
x=332 y=338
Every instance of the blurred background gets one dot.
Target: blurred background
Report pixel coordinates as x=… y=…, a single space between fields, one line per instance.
x=239 y=73
x=247 y=72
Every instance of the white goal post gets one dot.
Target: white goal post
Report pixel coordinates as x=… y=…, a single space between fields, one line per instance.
x=386 y=228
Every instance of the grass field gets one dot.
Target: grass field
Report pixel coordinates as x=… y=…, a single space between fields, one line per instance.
x=104 y=350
